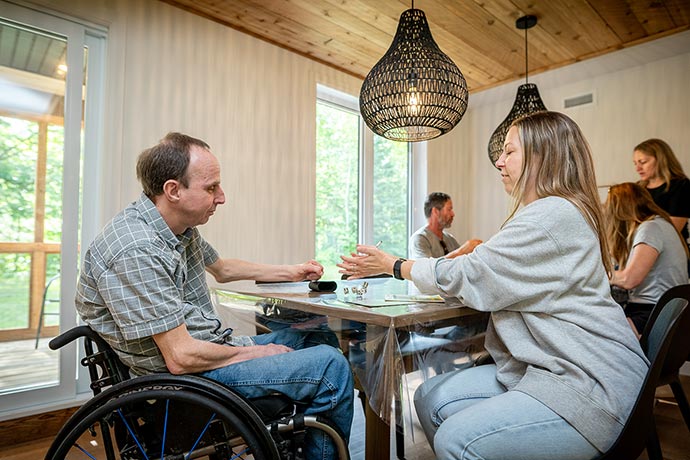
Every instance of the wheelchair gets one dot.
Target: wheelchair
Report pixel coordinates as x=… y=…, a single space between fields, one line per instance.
x=171 y=417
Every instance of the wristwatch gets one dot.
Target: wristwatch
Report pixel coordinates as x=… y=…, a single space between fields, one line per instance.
x=397 y=265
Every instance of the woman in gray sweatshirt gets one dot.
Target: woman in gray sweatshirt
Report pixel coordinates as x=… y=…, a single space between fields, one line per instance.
x=568 y=368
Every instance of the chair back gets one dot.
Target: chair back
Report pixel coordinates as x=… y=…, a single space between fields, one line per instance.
x=105 y=368
x=682 y=291
x=678 y=355
x=667 y=333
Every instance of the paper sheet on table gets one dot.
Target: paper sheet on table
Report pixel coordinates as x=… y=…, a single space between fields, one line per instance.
x=413 y=298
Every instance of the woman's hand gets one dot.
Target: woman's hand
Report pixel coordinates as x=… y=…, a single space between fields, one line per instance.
x=368 y=261
x=467 y=247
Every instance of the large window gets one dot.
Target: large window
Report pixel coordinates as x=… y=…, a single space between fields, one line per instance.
x=362 y=184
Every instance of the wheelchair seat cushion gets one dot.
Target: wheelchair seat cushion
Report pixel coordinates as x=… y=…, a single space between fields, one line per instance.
x=273 y=406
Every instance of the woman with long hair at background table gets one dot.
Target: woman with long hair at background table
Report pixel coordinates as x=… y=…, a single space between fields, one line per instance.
x=568 y=367
x=648 y=250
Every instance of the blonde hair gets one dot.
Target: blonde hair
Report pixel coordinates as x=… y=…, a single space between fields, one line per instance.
x=557 y=158
x=627 y=206
x=667 y=165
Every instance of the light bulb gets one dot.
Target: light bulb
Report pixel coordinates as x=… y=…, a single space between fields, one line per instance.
x=413 y=100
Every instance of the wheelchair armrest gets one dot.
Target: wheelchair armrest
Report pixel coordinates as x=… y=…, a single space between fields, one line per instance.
x=105 y=368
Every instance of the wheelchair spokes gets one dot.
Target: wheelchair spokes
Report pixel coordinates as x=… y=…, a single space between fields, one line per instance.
x=150 y=425
x=133 y=434
x=201 y=435
x=85 y=452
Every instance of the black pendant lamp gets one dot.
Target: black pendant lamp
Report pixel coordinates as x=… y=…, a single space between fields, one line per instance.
x=415 y=92
x=527 y=99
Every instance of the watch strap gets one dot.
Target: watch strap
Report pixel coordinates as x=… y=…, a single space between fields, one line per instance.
x=397 y=265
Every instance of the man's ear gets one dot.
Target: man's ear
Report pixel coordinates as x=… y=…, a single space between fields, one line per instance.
x=171 y=190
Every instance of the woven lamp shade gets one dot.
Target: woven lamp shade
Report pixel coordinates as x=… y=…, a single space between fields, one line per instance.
x=527 y=101
x=415 y=92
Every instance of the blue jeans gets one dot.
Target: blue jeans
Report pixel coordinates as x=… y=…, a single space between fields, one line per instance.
x=469 y=415
x=319 y=376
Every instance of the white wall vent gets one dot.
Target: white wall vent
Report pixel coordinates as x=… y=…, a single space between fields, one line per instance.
x=578 y=100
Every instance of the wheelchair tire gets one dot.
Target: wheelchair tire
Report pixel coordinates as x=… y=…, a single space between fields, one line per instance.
x=164 y=416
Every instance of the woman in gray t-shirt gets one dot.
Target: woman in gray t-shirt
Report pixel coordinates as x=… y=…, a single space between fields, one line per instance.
x=648 y=250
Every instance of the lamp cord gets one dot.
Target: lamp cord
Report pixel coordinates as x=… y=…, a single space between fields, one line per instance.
x=526 y=61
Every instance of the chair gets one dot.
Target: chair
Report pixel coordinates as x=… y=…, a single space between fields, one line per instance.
x=43 y=313
x=168 y=416
x=670 y=374
x=639 y=432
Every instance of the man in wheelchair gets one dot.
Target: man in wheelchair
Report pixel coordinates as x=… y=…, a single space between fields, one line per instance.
x=143 y=289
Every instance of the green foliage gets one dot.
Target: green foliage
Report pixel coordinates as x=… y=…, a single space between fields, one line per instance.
x=391 y=195
x=18 y=157
x=337 y=184
x=337 y=188
x=18 y=147
x=14 y=292
x=53 y=211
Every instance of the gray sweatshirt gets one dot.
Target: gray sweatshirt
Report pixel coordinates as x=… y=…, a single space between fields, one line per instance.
x=555 y=332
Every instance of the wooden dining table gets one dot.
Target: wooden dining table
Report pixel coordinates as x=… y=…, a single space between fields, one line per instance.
x=385 y=327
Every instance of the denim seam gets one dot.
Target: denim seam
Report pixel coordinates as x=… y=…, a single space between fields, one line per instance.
x=238 y=383
x=441 y=404
x=334 y=391
x=483 y=435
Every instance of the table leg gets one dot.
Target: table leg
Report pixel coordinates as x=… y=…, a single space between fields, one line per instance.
x=377 y=436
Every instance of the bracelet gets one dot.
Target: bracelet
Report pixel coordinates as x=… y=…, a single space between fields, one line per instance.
x=397 y=265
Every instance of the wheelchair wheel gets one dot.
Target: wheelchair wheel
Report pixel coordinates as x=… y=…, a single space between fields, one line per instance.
x=164 y=417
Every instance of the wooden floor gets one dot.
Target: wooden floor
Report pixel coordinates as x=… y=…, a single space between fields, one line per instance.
x=22 y=365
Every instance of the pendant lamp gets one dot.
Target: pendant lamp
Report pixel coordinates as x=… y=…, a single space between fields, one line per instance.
x=527 y=99
x=415 y=92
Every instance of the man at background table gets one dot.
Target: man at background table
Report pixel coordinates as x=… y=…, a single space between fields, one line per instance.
x=433 y=240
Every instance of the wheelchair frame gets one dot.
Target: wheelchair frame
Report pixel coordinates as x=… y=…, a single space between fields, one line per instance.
x=135 y=411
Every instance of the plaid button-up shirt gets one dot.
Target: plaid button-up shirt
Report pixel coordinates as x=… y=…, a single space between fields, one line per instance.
x=139 y=279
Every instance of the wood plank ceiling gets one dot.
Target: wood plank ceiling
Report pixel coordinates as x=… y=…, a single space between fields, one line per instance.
x=478 y=35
